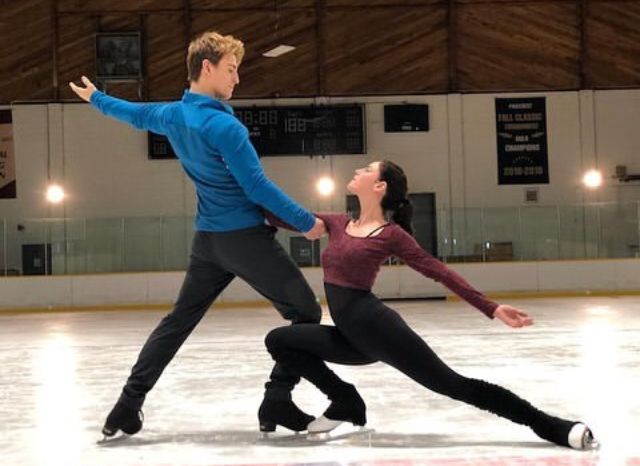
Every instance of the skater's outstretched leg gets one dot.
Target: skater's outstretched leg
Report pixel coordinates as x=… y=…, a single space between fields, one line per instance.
x=203 y=282
x=385 y=335
x=504 y=403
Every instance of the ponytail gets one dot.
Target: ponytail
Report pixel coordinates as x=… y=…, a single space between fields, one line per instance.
x=403 y=214
x=395 y=199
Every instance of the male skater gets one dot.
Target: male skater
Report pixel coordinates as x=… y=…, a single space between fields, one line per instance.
x=231 y=238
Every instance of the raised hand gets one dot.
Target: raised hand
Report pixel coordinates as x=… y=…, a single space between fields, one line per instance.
x=512 y=316
x=83 y=92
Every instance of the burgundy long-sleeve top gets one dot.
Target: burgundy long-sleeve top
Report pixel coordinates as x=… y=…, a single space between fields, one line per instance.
x=354 y=262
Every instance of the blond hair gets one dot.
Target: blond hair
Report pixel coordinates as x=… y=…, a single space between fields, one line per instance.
x=211 y=46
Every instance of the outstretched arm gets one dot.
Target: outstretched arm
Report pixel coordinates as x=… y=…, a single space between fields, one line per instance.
x=406 y=247
x=148 y=116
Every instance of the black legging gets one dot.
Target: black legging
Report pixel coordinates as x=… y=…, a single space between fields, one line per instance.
x=367 y=331
x=252 y=254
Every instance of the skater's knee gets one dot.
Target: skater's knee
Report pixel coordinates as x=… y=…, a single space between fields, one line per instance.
x=310 y=314
x=304 y=308
x=275 y=340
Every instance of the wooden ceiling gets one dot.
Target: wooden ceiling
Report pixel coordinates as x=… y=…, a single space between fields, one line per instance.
x=344 y=47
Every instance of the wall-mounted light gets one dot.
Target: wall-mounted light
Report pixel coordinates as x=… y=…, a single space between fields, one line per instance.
x=325 y=186
x=592 y=179
x=55 y=194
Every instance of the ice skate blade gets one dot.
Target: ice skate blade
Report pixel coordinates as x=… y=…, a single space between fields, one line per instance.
x=588 y=442
x=340 y=434
x=323 y=424
x=113 y=439
x=592 y=445
x=275 y=437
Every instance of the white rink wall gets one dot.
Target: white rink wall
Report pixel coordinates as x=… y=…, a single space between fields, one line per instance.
x=104 y=168
x=140 y=289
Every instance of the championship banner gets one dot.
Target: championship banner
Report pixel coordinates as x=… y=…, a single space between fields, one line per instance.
x=521 y=129
x=7 y=157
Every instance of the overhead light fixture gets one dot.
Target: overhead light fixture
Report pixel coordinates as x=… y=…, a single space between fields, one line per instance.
x=282 y=48
x=278 y=51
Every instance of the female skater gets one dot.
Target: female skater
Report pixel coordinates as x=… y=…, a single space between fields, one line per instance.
x=367 y=331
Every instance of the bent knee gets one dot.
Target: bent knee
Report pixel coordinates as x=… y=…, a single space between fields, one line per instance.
x=275 y=339
x=310 y=314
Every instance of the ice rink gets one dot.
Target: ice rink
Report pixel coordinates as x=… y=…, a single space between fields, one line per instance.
x=62 y=372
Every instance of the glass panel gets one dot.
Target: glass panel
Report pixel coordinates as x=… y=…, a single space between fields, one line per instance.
x=444 y=234
x=177 y=233
x=539 y=232
x=76 y=244
x=467 y=235
x=501 y=234
x=98 y=245
x=618 y=230
x=592 y=230
x=104 y=245
x=57 y=235
x=572 y=232
x=143 y=250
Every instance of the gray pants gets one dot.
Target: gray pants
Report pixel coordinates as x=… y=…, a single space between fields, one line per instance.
x=254 y=255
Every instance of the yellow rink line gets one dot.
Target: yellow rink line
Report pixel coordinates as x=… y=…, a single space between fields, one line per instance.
x=125 y=307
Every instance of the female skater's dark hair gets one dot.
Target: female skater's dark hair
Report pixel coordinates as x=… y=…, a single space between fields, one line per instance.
x=395 y=200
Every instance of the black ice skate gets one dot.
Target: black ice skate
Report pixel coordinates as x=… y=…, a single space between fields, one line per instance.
x=123 y=418
x=283 y=413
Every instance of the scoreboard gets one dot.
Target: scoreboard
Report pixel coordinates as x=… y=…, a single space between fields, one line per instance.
x=293 y=130
x=305 y=130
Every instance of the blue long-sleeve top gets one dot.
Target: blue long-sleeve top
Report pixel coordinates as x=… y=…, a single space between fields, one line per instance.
x=216 y=153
